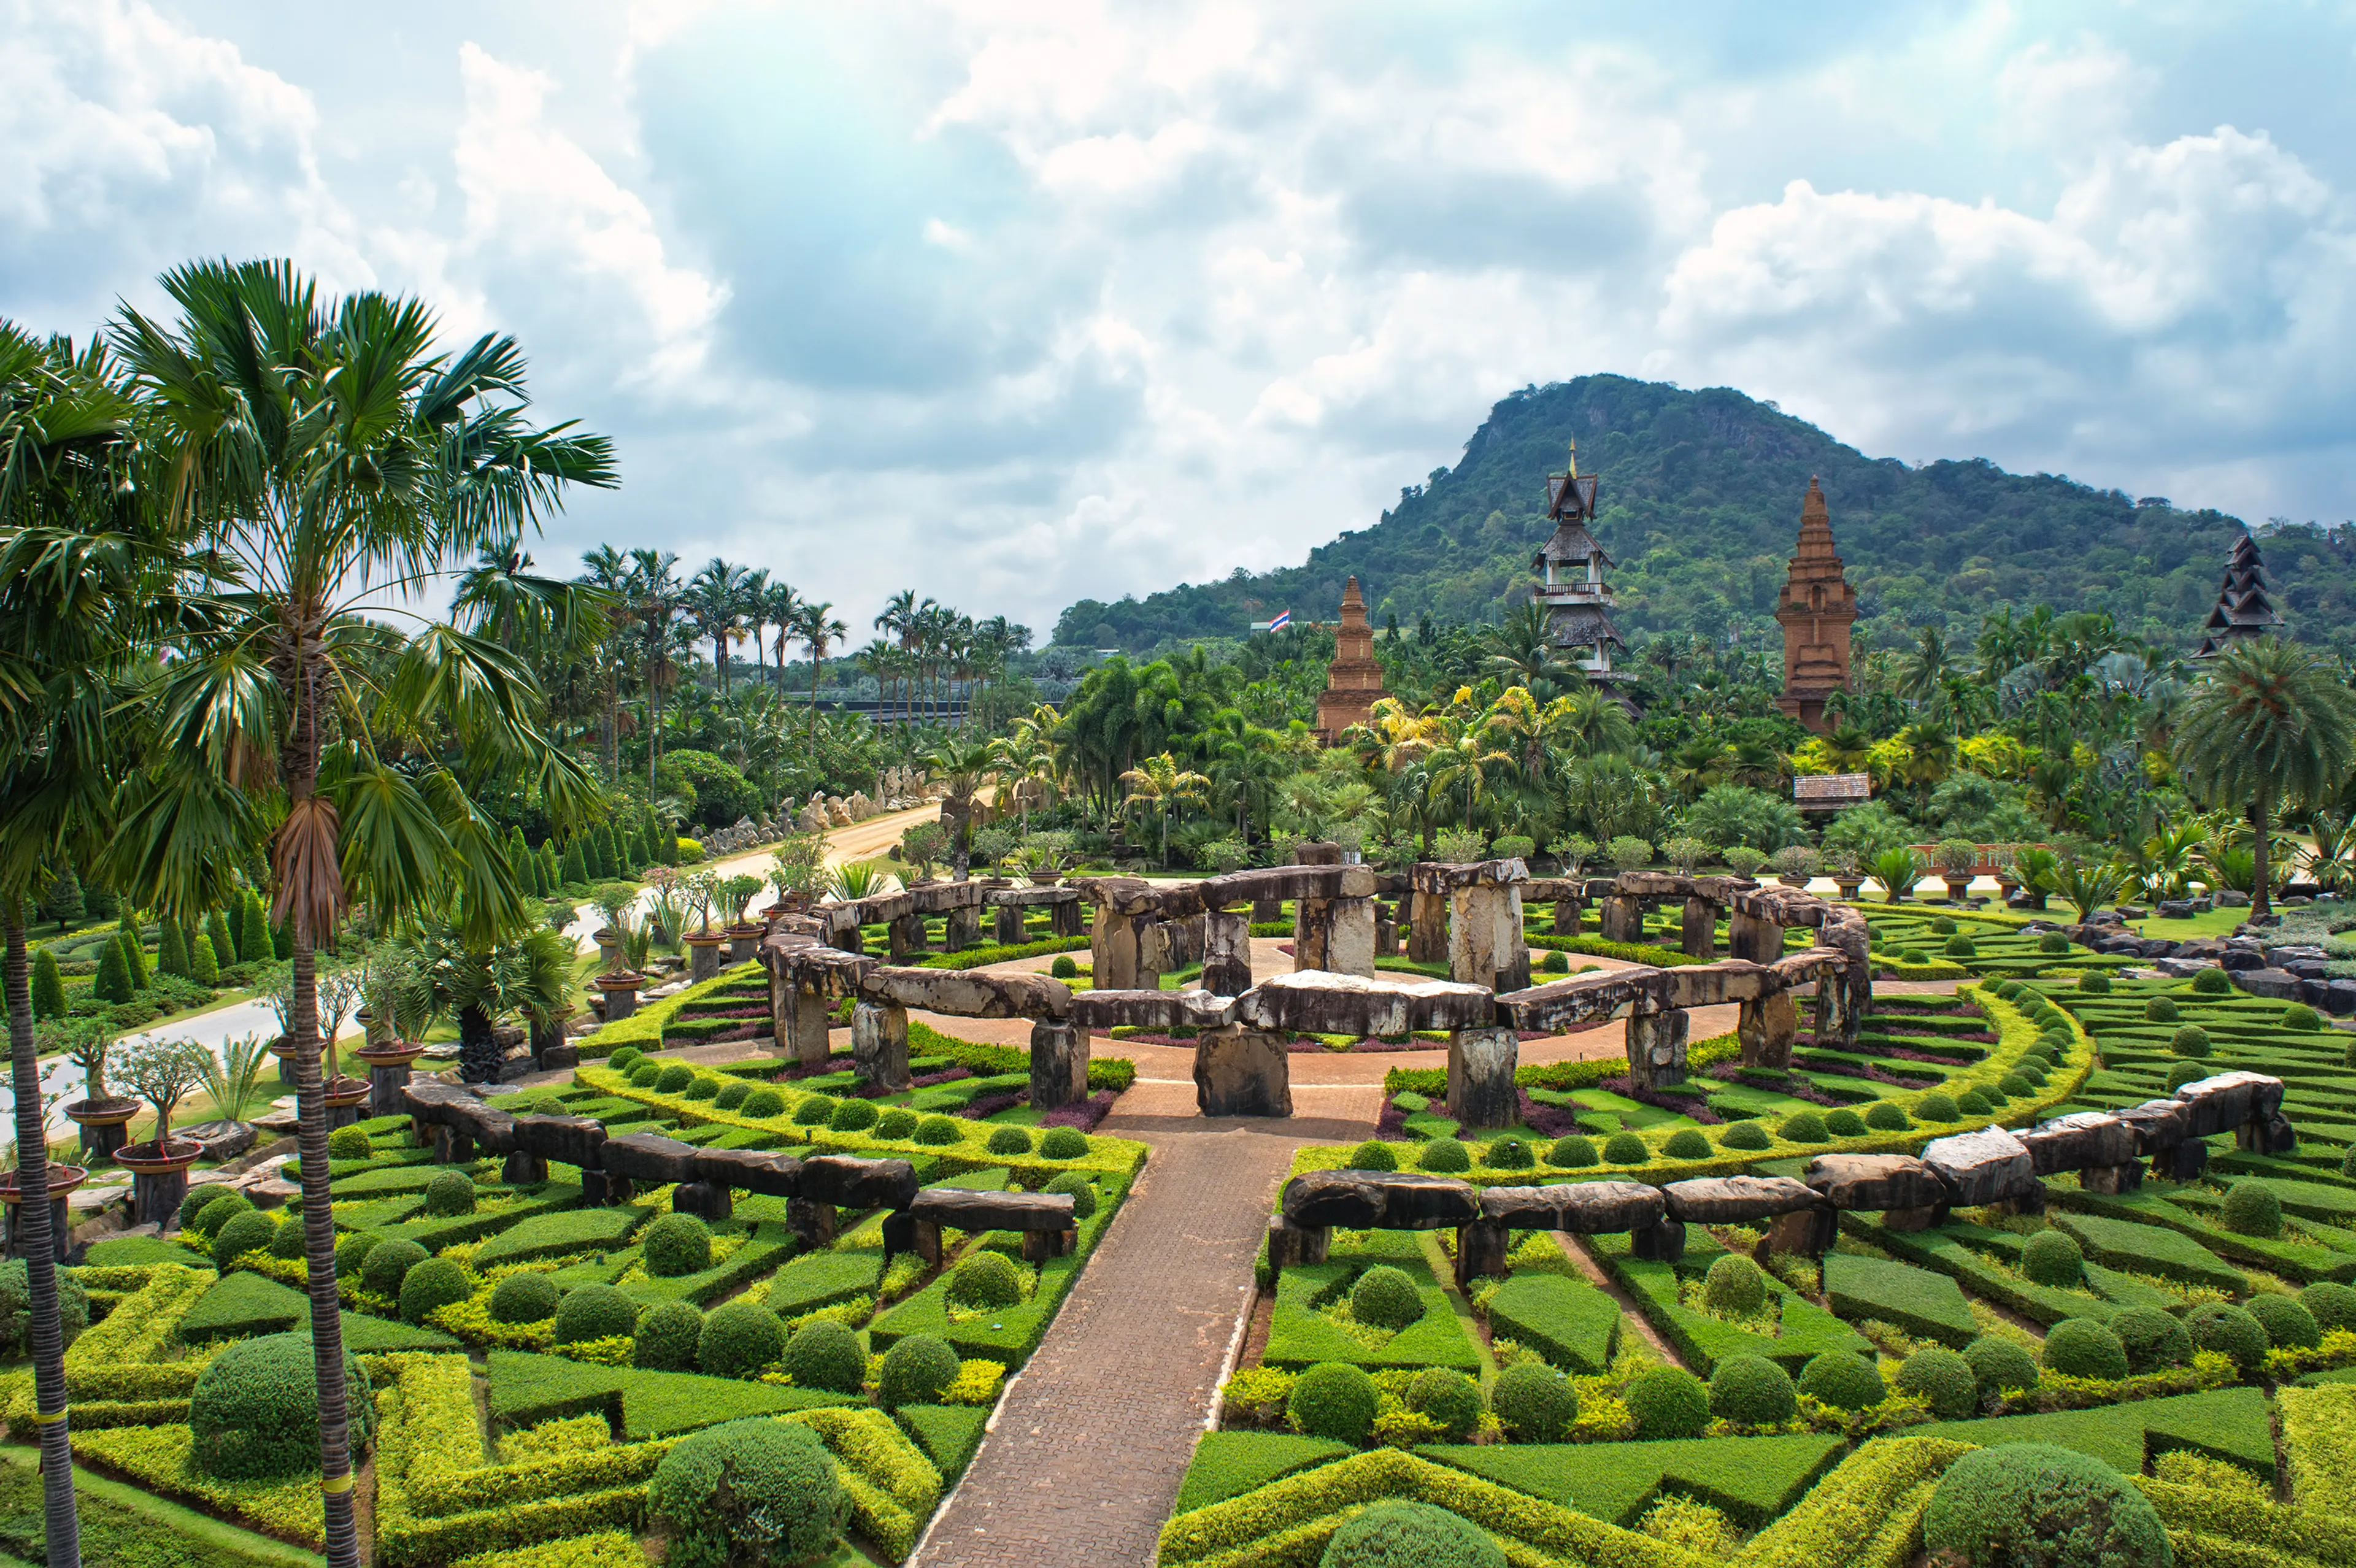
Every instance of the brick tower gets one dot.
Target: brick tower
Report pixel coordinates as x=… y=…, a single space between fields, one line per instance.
x=1816 y=610
x=1353 y=683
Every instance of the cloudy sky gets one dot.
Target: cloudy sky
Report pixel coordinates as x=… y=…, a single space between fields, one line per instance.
x=1016 y=302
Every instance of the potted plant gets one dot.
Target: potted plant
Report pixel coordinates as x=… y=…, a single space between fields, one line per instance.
x=665 y=913
x=1958 y=858
x=162 y=1072
x=703 y=942
x=233 y=1079
x=2038 y=869
x=1846 y=868
x=1795 y=865
x=1571 y=854
x=104 y=1117
x=1896 y=868
x=922 y=847
x=62 y=1180
x=2001 y=863
x=613 y=901
x=1742 y=861
x=339 y=992
x=800 y=873
x=1049 y=854
x=735 y=894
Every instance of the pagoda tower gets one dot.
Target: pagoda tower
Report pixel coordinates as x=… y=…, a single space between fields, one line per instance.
x=1570 y=584
x=1816 y=609
x=2244 y=610
x=1353 y=683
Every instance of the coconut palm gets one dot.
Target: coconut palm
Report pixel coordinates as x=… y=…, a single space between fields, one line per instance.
x=656 y=598
x=2270 y=727
x=325 y=458
x=817 y=628
x=715 y=597
x=1156 y=786
x=780 y=605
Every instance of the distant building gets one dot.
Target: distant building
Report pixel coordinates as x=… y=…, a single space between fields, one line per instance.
x=1831 y=792
x=2244 y=610
x=1570 y=568
x=1816 y=610
x=1353 y=683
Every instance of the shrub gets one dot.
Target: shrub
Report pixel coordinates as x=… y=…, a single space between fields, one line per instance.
x=2299 y=1016
x=678 y=1246
x=288 y=1241
x=249 y=1230
x=1883 y=1116
x=673 y=1078
x=813 y=1111
x=1686 y=1143
x=936 y=1132
x=2013 y=1086
x=2252 y=1208
x=1845 y=1123
x=2287 y=1321
x=1574 y=1153
x=1372 y=1155
x=732 y=1094
x=1079 y=1189
x=824 y=1354
x=624 y=1058
x=854 y=1116
x=2053 y=943
x=740 y=1337
x=1556 y=962
x=2152 y=1338
x=1333 y=1400
x=523 y=1298
x=644 y=1074
x=1410 y=1535
x=1735 y=1287
x=452 y=1192
x=915 y=1371
x=1448 y=1397
x=1999 y=1366
x=2052 y=1258
x=1064 y=968
x=1062 y=1142
x=1444 y=1154
x=762 y=1102
x=594 y=1312
x=985 y=1280
x=254 y=1412
x=1937 y=1107
x=2039 y=1506
x=2213 y=982
x=1668 y=1401
x=1962 y=947
x=1942 y=1379
x=2333 y=1305
x=1009 y=1140
x=896 y=1123
x=2191 y=1041
x=2094 y=982
x=2082 y=1347
x=1745 y=1134
x=2159 y=1010
x=1384 y=1298
x=723 y=1485
x=1626 y=1148
x=1972 y=1102
x=387 y=1263
x=436 y=1282
x=1804 y=1128
x=1534 y=1403
x=217 y=1210
x=2222 y=1327
x=17 y=1304
x=1751 y=1391
x=2184 y=1073
x=667 y=1337
x=703 y=1086
x=1943 y=925
x=1842 y=1380
x=350 y=1143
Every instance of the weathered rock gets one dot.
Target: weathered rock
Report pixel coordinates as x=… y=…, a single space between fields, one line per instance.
x=762 y=1172
x=1481 y=1091
x=1986 y=1167
x=1152 y=1009
x=1227 y=953
x=650 y=1158
x=1767 y=1028
x=1863 y=1181
x=1059 y=1064
x=849 y=1182
x=2078 y=1140
x=1321 y=1003
x=974 y=1212
x=1291 y=1245
x=2220 y=1104
x=1753 y=937
x=879 y=1045
x=1655 y=1043
x=1737 y=1199
x=2271 y=1134
x=1242 y=1073
x=1336 y=934
x=1579 y=1208
x=1622 y=919
x=1660 y=1244
x=1379 y=1199
x=2279 y=984
x=970 y=993
x=220 y=1140
x=577 y=1141
x=2157 y=1123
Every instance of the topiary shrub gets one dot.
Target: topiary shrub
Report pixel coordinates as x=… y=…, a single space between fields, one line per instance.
x=1333 y=1400
x=1842 y=1380
x=217 y=1210
x=1804 y=1128
x=1845 y=1124
x=2053 y=943
x=523 y=1298
x=2053 y=1258
x=452 y=1192
x=2082 y=1347
x=2094 y=982
x=1384 y=1298
x=1745 y=1134
x=2231 y=1332
x=1574 y=1153
x=2015 y=1086
x=1735 y=1287
x=1972 y=1102
x=667 y=1338
x=1064 y=968
x=1508 y=1154
x=1626 y=1148
x=1062 y=1142
x=740 y=1337
x=2287 y=1321
x=703 y=1086
x=1999 y=1366
x=915 y=1371
x=826 y=1355
x=1667 y=1402
x=2301 y=1016
x=984 y=1280
x=937 y=1132
x=17 y=1305
x=2333 y=1305
x=386 y=1264
x=1410 y=1535
x=2252 y=1208
x=436 y=1282
x=896 y=1123
x=1962 y=947
x=350 y=1143
x=1534 y=1403
x=1445 y=1155
x=729 y=1486
x=854 y=1116
x=1372 y=1155
x=1937 y=1107
x=1079 y=1189
x=1942 y=1379
x=2159 y=1010
x=1751 y=1391
x=2191 y=1042
x=1448 y=1397
x=1943 y=925
x=674 y=1077
x=2033 y=1504
x=678 y=1246
x=732 y=1094
x=288 y=1241
x=1883 y=1116
x=594 y=1312
x=2213 y=982
x=2152 y=1338
x=2185 y=1073
x=1686 y=1143
x=249 y=1232
x=624 y=1058
x=764 y=1102
x=644 y=1074
x=1554 y=963
x=254 y=1412
x=1009 y=1140
x=812 y=1110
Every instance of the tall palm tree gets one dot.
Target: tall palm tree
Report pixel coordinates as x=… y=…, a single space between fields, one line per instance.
x=1926 y=666
x=780 y=605
x=876 y=659
x=899 y=617
x=608 y=570
x=1521 y=650
x=327 y=458
x=752 y=611
x=1158 y=785
x=2270 y=727
x=818 y=631
x=715 y=597
x=655 y=597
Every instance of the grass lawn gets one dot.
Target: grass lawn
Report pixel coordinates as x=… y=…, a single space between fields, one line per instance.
x=2209 y=923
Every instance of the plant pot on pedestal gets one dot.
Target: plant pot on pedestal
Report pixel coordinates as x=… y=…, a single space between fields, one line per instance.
x=621 y=992
x=346 y=1098
x=388 y=1068
x=63 y=1179
x=159 y=1179
x=1848 y=885
x=609 y=946
x=745 y=942
x=703 y=956
x=1045 y=879
x=105 y=1124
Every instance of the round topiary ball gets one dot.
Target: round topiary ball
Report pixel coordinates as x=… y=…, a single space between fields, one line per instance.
x=826 y=1355
x=254 y=1412
x=624 y=1058
x=2230 y=1330
x=2152 y=1338
x=915 y=1371
x=2082 y=1347
x=732 y=1094
x=1534 y=1403
x=1333 y=1400
x=1384 y=1298
x=2053 y=1258
x=896 y=1123
x=985 y=1280
x=1845 y=1123
x=2213 y=982
x=452 y=1192
x=2333 y=1305
x=678 y=1246
x=673 y=1078
x=2094 y=982
x=1943 y=925
x=1079 y=1189
x=1009 y=1140
x=1842 y=1380
x=1942 y=1379
x=1972 y=1102
x=1396 y=1534
x=740 y=1337
x=2053 y=943
x=1962 y=947
x=289 y=1242
x=1999 y=1366
x=2033 y=1503
x=2185 y=1073
x=644 y=1074
x=523 y=1298
x=217 y=1210
x=387 y=1263
x=1062 y=1142
x=16 y=1307
x=667 y=1338
x=2159 y=1010
x=2287 y=1321
x=251 y=1231
x=594 y=1312
x=762 y=1102
x=1686 y=1143
x=1751 y=1391
x=1804 y=1128
x=1508 y=1154
x=1445 y=1155
x=854 y=1116
x=938 y=1132
x=1667 y=1402
x=813 y=1110
x=1556 y=962
x=2252 y=1208
x=1574 y=1153
x=1626 y=1148
x=1735 y=1287
x=2191 y=1041
x=1372 y=1155
x=350 y=1143
x=436 y=1282
x=703 y=1086
x=2301 y=1016
x=2015 y=1086
x=1745 y=1134
x=1064 y=968
x=1448 y=1397
x=1884 y=1116
x=746 y=1481
x=1936 y=1107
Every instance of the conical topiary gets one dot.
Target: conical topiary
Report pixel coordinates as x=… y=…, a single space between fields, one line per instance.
x=64 y=903
x=113 y=981
x=203 y=968
x=282 y=940
x=48 y=987
x=550 y=876
x=609 y=863
x=172 y=951
x=576 y=864
x=224 y=942
x=135 y=962
x=253 y=943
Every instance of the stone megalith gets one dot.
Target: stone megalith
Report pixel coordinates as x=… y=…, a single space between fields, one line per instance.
x=879 y=1044
x=1657 y=1047
x=1059 y=1064
x=1481 y=1091
x=1226 y=952
x=1242 y=1073
x=1767 y=1028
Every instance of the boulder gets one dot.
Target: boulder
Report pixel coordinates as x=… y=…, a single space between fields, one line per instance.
x=1242 y=1073
x=1379 y=1199
x=2078 y=1140
x=1986 y=1167
x=2280 y=985
x=1579 y=1208
x=974 y=1212
x=2157 y=1123
x=650 y=1158
x=848 y=1181
x=1851 y=1181
x=2220 y=1104
x=220 y=1140
x=1737 y=1199
x=968 y=994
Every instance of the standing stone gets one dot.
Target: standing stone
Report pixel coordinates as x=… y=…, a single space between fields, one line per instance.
x=1427 y=931
x=1481 y=1249
x=879 y=1044
x=1113 y=950
x=1059 y=1064
x=1656 y=1048
x=802 y=1023
x=906 y=935
x=1699 y=929
x=1242 y=1073
x=705 y=1199
x=1267 y=911
x=1566 y=917
x=1485 y=945
x=1766 y=1028
x=1154 y=956
x=1006 y=926
x=1227 y=953
x=962 y=929
x=1749 y=936
x=1480 y=1093
x=1623 y=918
x=1064 y=917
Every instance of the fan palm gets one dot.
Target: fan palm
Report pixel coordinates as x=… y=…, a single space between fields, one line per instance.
x=453 y=975
x=963 y=769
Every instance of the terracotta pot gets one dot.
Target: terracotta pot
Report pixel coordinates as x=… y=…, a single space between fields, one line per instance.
x=744 y=928
x=112 y=1112
x=147 y=1159
x=401 y=1053
x=63 y=1179
x=1045 y=879
x=342 y=1091
x=625 y=980
x=706 y=938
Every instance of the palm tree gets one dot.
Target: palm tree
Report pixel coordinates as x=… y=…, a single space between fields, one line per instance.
x=608 y=570
x=1925 y=666
x=1521 y=649
x=655 y=599
x=2270 y=727
x=1156 y=785
x=780 y=605
x=454 y=977
x=964 y=768
x=753 y=610
x=325 y=459
x=818 y=631
x=715 y=596
x=899 y=618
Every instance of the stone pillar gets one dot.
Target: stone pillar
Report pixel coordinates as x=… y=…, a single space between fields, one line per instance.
x=1480 y=1093
x=1854 y=984
x=1335 y=934
x=1064 y=917
x=1660 y=1244
x=879 y=1044
x=157 y=1195
x=1113 y=950
x=1291 y=1245
x=1565 y=916
x=2111 y=1180
x=1766 y=1028
x=1154 y=957
x=1242 y=1073
x=702 y=959
x=1481 y=1249
x=801 y=1024
x=1485 y=945
x=1426 y=932
x=1385 y=929
x=1701 y=929
x=812 y=1221
x=385 y=1085
x=962 y=929
x=705 y=1199
x=1810 y=1232
x=524 y=1169
x=1623 y=918
x=746 y=947
x=1656 y=1048
x=1059 y=1064
x=1267 y=912
x=1227 y=953
x=849 y=939
x=1006 y=926
x=906 y=935
x=1748 y=936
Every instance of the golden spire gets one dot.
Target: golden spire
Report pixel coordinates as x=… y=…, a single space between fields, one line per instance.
x=1574 y=457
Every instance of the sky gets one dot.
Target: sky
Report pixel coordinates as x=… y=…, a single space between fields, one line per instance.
x=1015 y=303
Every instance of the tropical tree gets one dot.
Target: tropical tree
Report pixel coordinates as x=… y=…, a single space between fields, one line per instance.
x=815 y=624
x=963 y=769
x=715 y=597
x=454 y=974
x=655 y=597
x=1157 y=786
x=780 y=605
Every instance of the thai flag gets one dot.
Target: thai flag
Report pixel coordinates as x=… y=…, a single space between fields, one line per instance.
x=1283 y=619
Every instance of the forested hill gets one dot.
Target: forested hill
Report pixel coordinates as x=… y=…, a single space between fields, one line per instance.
x=1700 y=505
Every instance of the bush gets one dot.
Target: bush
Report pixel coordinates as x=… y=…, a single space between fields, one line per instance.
x=254 y=1412
x=624 y=1057
x=436 y=1282
x=1062 y=1142
x=854 y=1116
x=288 y=1241
x=523 y=1298
x=1448 y=1397
x=1942 y=1379
x=1064 y=968
x=2299 y=1016
x=1574 y=1153
x=2053 y=943
x=1410 y=1535
x=1883 y=1116
x=2082 y=1347
x=644 y=1074
x=350 y=1143
x=916 y=1371
x=1446 y=1154
x=1751 y=1391
x=2191 y=1041
x=723 y=1483
x=985 y=1280
x=2159 y=1010
x=1842 y=1380
x=198 y=1200
x=761 y=1103
x=678 y=1246
x=1668 y=1401
x=813 y=1111
x=1384 y=1298
x=2052 y=1258
x=2033 y=1504
x=733 y=1094
x=1508 y=1154
x=667 y=1337
x=1973 y=1103
x=824 y=1354
x=896 y=1123
x=249 y=1230
x=2252 y=1208
x=1079 y=1189
x=217 y=1210
x=2184 y=1073
x=1937 y=1107
x=1845 y=1123
x=1745 y=1134
x=1943 y=925
x=2152 y=1338
x=2333 y=1305
x=1333 y=1400
x=2213 y=982
x=594 y=1312
x=2230 y=1330
x=1999 y=1366
x=1372 y=1155
x=1534 y=1403
x=703 y=1086
x=1556 y=962
x=1804 y=1128
x=1686 y=1143
x=674 y=1077
x=1008 y=1139
x=2094 y=982
x=452 y=1192
x=936 y=1132
x=1962 y=947
x=2014 y=1086
x=387 y=1263
x=2287 y=1321
x=740 y=1337
x=17 y=1304
x=1626 y=1148
x=1735 y=1287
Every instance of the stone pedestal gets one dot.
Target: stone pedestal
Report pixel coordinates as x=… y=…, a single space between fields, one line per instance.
x=1748 y=936
x=61 y=1230
x=1006 y=926
x=621 y=1001
x=100 y=1139
x=1656 y=1048
x=1038 y=1246
x=906 y=937
x=2273 y=1136
x=2184 y=1162
x=522 y=1170
x=801 y=1024
x=1809 y=1232
x=813 y=1221
x=1064 y=917
x=702 y=957
x=1114 y=949
x=1622 y=919
x=1227 y=953
x=1242 y=1073
x=349 y=1115
x=1485 y=945
x=705 y=1199
x=1291 y=1245
x=743 y=946
x=962 y=929
x=1699 y=931
x=1154 y=957
x=1766 y=1028
x=1566 y=917
x=1480 y=1093
x=1427 y=931
x=1481 y=1249
x=1267 y=912
x=850 y=939
x=879 y=1044
x=2111 y=1180
x=155 y=1196
x=452 y=1145
x=1336 y=934
x=1059 y=1064
x=599 y=1190
x=1660 y=1244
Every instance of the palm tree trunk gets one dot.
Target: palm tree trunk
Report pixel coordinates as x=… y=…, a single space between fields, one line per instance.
x=2261 y=819
x=816 y=658
x=62 y=1521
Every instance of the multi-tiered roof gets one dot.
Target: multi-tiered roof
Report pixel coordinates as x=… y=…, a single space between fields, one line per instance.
x=2244 y=609
x=1570 y=568
x=1353 y=683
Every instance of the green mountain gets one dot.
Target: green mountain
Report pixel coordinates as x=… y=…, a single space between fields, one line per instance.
x=1700 y=504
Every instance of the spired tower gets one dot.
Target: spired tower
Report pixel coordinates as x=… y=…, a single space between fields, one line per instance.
x=1353 y=683
x=1570 y=584
x=1815 y=611
x=2244 y=610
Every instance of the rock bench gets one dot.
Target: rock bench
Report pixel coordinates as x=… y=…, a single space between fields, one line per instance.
x=1045 y=1220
